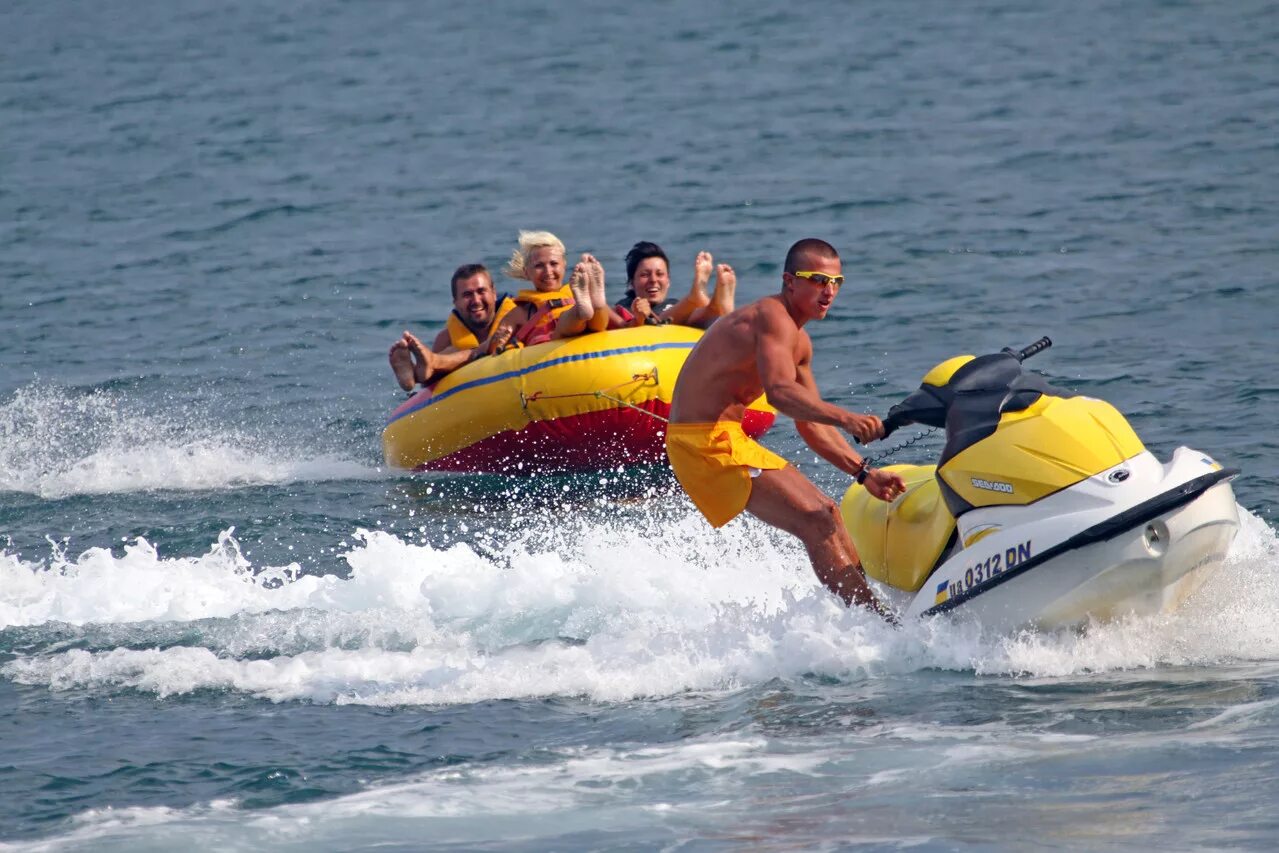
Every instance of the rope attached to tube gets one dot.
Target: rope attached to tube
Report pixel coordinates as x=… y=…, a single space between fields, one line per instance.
x=649 y=378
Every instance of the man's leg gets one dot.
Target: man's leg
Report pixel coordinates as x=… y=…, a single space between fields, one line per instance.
x=428 y=364
x=787 y=500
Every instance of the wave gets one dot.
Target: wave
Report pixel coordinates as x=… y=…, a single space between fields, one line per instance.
x=56 y=443
x=463 y=802
x=604 y=611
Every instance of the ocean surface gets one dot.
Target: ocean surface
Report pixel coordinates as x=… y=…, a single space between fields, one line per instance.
x=225 y=625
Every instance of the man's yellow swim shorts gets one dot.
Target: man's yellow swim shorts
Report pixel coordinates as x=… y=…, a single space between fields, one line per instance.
x=715 y=463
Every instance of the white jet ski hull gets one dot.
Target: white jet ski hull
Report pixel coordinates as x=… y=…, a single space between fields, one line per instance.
x=1138 y=539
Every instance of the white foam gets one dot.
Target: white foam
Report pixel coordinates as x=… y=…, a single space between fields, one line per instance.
x=608 y=612
x=608 y=621
x=140 y=585
x=55 y=443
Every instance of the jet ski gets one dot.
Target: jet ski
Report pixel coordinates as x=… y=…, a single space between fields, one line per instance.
x=1044 y=510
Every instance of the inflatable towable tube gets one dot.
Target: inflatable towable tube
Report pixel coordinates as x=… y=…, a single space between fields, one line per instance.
x=586 y=403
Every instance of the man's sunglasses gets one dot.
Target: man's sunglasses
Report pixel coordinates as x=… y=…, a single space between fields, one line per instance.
x=820 y=279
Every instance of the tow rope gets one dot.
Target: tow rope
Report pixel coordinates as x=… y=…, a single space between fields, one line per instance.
x=650 y=378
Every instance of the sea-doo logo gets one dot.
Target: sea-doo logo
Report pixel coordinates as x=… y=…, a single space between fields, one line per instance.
x=1118 y=476
x=993 y=486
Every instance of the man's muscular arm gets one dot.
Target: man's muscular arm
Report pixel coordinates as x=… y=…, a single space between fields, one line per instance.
x=826 y=441
x=831 y=446
x=776 y=341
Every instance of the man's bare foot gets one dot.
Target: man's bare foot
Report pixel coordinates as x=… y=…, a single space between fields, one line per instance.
x=725 y=290
x=423 y=359
x=402 y=364
x=702 y=268
x=580 y=284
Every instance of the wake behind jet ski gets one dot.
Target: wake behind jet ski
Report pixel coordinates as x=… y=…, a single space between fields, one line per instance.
x=1044 y=510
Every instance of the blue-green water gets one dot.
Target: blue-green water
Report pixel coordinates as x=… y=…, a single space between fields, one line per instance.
x=224 y=624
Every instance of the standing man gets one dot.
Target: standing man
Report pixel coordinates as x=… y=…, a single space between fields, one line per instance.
x=477 y=309
x=763 y=349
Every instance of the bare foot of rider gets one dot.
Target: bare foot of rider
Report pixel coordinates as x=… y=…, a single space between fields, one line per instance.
x=725 y=291
x=599 y=318
x=595 y=277
x=702 y=268
x=580 y=284
x=423 y=361
x=402 y=364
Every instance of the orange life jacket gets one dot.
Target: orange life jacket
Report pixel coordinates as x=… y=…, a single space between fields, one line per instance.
x=547 y=308
x=460 y=334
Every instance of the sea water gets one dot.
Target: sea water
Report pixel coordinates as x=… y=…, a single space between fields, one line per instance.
x=224 y=623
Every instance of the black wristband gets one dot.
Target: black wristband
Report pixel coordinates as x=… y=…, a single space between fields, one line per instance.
x=861 y=475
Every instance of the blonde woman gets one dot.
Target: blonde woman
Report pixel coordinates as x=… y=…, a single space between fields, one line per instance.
x=551 y=309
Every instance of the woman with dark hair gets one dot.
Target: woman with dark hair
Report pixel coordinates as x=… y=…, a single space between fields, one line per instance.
x=648 y=282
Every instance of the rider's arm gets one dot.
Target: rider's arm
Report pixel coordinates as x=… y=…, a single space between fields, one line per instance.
x=826 y=441
x=776 y=339
x=831 y=446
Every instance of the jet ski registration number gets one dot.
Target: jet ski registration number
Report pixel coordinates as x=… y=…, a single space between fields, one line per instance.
x=995 y=564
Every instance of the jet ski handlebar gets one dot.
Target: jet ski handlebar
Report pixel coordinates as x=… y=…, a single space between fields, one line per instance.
x=930 y=410
x=893 y=422
x=1037 y=347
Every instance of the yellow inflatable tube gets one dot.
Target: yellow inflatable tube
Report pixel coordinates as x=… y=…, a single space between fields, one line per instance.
x=590 y=402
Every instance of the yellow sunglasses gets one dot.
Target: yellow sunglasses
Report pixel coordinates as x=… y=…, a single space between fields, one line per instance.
x=820 y=279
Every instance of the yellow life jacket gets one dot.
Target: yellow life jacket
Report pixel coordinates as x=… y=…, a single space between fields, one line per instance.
x=460 y=334
x=547 y=307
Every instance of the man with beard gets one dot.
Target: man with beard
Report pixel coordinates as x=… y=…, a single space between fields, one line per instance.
x=476 y=312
